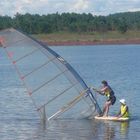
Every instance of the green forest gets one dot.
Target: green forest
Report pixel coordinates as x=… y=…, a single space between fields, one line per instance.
x=72 y=22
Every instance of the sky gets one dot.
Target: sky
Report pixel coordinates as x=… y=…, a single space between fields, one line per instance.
x=44 y=7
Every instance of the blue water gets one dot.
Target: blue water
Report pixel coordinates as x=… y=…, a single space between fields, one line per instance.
x=118 y=64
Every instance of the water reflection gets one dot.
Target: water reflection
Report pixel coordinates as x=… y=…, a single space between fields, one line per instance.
x=65 y=129
x=124 y=127
x=108 y=130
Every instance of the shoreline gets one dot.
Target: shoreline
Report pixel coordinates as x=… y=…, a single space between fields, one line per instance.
x=100 y=42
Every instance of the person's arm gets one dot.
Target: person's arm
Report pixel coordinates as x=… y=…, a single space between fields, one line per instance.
x=118 y=114
x=103 y=89
x=98 y=91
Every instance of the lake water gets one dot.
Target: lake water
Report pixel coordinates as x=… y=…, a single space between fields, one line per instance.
x=118 y=64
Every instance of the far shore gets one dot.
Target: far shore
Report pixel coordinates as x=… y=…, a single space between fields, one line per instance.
x=94 y=38
x=101 y=42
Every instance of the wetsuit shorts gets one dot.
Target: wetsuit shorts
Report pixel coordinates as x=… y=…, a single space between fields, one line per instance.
x=112 y=99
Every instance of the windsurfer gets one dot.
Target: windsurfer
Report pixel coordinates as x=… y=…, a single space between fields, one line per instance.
x=109 y=93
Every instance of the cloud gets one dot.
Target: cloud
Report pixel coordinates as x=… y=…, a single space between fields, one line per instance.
x=80 y=5
x=96 y=7
x=102 y=7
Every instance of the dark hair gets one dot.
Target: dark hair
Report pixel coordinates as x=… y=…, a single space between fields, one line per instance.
x=104 y=82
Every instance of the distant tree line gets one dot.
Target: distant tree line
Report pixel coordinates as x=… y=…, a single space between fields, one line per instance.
x=72 y=22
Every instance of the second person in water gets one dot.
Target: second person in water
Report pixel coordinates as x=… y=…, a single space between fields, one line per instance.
x=109 y=93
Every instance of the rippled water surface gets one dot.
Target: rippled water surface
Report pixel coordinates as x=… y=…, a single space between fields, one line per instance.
x=118 y=64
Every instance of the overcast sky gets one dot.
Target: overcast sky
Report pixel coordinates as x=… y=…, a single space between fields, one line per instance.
x=96 y=7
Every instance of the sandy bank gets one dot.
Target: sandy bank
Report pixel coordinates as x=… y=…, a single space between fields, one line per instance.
x=100 y=42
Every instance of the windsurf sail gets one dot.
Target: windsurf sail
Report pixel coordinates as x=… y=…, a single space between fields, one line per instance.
x=50 y=81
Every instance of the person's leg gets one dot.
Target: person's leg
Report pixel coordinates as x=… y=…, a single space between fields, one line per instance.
x=106 y=108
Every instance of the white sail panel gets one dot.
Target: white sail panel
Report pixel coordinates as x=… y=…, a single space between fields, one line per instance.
x=49 y=79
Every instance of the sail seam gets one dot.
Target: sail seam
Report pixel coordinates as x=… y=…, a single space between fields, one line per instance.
x=14 y=42
x=57 y=95
x=48 y=81
x=69 y=104
x=26 y=55
x=38 y=68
